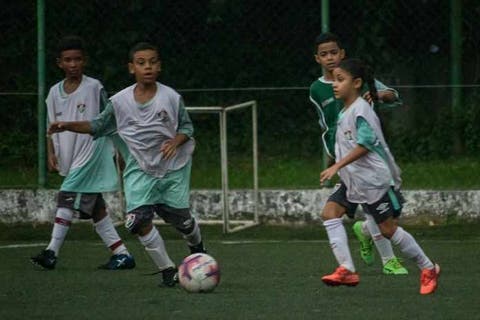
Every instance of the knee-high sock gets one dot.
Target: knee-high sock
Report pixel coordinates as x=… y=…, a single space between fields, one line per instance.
x=411 y=249
x=339 y=243
x=194 y=237
x=106 y=230
x=63 y=220
x=155 y=247
x=383 y=245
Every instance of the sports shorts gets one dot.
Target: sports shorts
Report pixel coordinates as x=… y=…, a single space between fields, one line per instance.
x=85 y=203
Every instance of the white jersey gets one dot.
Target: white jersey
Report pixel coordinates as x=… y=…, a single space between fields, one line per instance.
x=145 y=128
x=73 y=150
x=370 y=177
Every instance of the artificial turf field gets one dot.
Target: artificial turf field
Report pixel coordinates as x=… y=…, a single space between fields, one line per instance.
x=267 y=273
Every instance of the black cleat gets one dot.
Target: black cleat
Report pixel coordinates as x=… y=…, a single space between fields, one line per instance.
x=119 y=262
x=46 y=259
x=199 y=248
x=169 y=277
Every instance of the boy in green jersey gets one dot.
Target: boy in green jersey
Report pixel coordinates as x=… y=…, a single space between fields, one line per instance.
x=329 y=53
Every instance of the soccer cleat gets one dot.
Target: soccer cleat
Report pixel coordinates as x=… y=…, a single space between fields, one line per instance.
x=341 y=276
x=394 y=267
x=366 y=244
x=119 y=262
x=429 y=280
x=46 y=259
x=169 y=277
x=199 y=248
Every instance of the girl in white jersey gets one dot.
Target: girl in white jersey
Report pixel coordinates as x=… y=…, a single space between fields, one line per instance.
x=369 y=177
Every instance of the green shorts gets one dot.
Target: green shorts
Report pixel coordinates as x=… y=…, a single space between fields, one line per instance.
x=172 y=190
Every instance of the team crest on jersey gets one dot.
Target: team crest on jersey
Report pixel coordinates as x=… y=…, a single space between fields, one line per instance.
x=81 y=107
x=348 y=135
x=163 y=116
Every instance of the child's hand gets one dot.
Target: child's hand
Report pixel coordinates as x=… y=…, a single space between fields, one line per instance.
x=169 y=149
x=52 y=162
x=328 y=173
x=367 y=96
x=56 y=127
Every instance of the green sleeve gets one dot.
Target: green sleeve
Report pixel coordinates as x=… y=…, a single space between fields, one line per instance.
x=387 y=105
x=365 y=134
x=103 y=99
x=366 y=137
x=105 y=123
x=185 y=124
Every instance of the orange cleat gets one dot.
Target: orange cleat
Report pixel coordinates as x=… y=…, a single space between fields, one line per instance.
x=341 y=276
x=429 y=279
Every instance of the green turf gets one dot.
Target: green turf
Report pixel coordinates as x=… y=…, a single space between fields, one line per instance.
x=291 y=173
x=272 y=276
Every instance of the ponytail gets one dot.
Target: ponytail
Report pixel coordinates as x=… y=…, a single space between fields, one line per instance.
x=370 y=81
x=358 y=69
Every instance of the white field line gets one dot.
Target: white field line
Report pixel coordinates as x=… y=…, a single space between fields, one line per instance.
x=24 y=245
x=237 y=242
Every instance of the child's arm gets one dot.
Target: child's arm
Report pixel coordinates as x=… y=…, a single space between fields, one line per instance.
x=74 y=126
x=358 y=152
x=184 y=133
x=52 y=159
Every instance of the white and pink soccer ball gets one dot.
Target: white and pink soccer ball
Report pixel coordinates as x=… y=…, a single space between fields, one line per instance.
x=199 y=272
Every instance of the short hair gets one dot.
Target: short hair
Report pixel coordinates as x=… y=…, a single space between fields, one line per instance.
x=70 y=42
x=327 y=37
x=140 y=46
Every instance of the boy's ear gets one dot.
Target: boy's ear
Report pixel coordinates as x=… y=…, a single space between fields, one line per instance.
x=342 y=54
x=130 y=68
x=317 y=58
x=57 y=60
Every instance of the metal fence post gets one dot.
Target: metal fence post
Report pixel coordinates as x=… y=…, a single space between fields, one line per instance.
x=456 y=69
x=42 y=172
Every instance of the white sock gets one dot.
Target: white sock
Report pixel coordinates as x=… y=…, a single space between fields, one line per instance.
x=155 y=247
x=339 y=243
x=194 y=237
x=411 y=249
x=106 y=230
x=383 y=245
x=63 y=220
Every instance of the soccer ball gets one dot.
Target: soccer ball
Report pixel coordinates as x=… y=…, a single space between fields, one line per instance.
x=199 y=272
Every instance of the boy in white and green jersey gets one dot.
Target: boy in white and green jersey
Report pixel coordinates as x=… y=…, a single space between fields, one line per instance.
x=87 y=165
x=154 y=133
x=329 y=53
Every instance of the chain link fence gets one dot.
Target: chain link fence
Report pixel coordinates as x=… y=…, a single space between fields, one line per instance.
x=220 y=52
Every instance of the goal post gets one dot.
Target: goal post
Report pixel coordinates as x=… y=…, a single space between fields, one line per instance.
x=230 y=225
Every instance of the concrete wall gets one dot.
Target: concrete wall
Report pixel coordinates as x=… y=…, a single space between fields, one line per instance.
x=275 y=206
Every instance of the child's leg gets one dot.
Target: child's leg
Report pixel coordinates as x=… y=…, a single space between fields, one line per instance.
x=107 y=232
x=63 y=220
x=139 y=221
x=183 y=221
x=337 y=236
x=406 y=243
x=383 y=245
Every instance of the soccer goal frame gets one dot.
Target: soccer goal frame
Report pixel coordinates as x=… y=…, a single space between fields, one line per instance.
x=230 y=226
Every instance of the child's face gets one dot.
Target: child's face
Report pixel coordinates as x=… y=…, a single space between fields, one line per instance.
x=72 y=63
x=345 y=87
x=145 y=66
x=329 y=55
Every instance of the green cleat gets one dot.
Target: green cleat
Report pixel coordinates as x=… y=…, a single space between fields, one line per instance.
x=366 y=244
x=394 y=267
